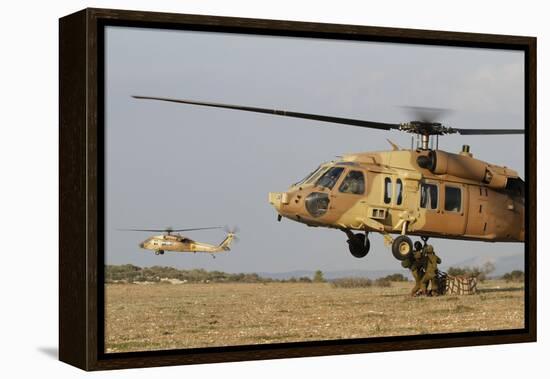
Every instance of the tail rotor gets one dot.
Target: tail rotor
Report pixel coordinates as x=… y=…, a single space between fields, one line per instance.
x=232 y=232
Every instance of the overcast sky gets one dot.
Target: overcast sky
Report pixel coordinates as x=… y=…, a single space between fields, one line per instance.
x=187 y=166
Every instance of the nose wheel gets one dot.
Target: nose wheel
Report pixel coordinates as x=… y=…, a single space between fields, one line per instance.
x=358 y=244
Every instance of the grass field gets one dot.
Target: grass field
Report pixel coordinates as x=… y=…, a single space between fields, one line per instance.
x=169 y=316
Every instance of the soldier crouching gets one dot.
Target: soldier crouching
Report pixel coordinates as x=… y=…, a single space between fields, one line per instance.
x=430 y=276
x=416 y=263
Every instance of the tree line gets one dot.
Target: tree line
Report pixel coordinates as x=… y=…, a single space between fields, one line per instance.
x=129 y=273
x=484 y=271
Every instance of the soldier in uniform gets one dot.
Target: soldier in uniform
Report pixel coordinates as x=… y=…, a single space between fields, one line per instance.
x=416 y=263
x=432 y=261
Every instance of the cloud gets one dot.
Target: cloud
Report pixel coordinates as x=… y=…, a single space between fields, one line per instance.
x=492 y=88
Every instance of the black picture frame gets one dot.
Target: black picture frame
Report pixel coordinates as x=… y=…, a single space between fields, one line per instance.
x=81 y=164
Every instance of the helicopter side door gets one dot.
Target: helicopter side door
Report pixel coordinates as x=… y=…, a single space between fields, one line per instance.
x=443 y=207
x=347 y=198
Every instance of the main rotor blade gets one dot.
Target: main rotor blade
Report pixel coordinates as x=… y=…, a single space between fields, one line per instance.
x=170 y=229
x=473 y=132
x=277 y=112
x=188 y=230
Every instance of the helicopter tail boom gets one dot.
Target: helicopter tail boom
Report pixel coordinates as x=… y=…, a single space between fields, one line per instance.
x=225 y=244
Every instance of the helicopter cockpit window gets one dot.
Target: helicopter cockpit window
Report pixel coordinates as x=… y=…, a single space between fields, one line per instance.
x=316 y=175
x=399 y=191
x=453 y=199
x=311 y=174
x=387 y=190
x=353 y=183
x=428 y=196
x=330 y=177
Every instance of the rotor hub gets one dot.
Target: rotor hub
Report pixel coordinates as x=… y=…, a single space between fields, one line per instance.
x=426 y=128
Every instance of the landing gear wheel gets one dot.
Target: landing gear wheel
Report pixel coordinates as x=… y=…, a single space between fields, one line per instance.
x=358 y=245
x=402 y=248
x=159 y=252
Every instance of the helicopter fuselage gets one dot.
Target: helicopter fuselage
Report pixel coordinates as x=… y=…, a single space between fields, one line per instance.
x=423 y=193
x=179 y=243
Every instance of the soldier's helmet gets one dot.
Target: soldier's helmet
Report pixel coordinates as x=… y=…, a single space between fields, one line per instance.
x=429 y=249
x=418 y=245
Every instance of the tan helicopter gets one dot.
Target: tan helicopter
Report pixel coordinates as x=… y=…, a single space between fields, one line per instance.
x=170 y=241
x=421 y=191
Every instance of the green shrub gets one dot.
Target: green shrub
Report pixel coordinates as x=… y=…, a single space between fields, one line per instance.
x=396 y=278
x=480 y=273
x=382 y=282
x=318 y=277
x=514 y=276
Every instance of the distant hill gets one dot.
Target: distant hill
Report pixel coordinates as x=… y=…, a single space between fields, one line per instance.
x=502 y=264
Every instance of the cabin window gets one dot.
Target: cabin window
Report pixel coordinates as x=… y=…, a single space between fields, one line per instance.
x=428 y=196
x=387 y=190
x=399 y=191
x=453 y=199
x=330 y=177
x=353 y=183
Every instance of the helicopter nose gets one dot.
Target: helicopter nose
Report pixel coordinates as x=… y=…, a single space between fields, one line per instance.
x=275 y=200
x=142 y=245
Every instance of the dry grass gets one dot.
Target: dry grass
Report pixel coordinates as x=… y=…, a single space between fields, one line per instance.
x=151 y=317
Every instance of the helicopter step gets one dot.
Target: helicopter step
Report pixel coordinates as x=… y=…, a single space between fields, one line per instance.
x=358 y=243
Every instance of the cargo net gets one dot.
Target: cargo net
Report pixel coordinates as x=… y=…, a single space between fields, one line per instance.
x=456 y=285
